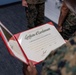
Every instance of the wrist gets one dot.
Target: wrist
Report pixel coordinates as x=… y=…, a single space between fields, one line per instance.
x=59 y=25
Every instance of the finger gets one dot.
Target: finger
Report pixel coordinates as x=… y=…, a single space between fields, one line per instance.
x=31 y=64
x=29 y=69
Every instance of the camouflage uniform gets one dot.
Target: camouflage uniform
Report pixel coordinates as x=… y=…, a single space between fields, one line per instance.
x=35 y=1
x=69 y=25
x=35 y=12
x=62 y=61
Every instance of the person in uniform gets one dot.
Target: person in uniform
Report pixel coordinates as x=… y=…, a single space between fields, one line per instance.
x=61 y=61
x=34 y=12
x=67 y=22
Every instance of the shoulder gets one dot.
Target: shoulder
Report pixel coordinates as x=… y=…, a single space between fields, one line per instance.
x=62 y=61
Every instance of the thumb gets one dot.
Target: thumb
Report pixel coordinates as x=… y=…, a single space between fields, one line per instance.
x=31 y=66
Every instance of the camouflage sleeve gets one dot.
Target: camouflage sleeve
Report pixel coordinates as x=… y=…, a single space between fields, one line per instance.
x=62 y=61
x=74 y=34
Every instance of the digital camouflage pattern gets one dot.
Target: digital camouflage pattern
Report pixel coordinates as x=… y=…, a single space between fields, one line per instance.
x=35 y=14
x=69 y=26
x=62 y=61
x=35 y=1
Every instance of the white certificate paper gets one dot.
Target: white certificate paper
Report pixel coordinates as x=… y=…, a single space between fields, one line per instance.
x=38 y=42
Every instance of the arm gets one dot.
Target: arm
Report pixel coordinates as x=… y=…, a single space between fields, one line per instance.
x=63 y=12
x=29 y=69
x=24 y=3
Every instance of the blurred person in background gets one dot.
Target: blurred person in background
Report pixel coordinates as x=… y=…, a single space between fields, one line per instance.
x=34 y=12
x=67 y=21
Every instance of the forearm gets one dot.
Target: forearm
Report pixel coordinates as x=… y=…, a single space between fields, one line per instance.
x=63 y=12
